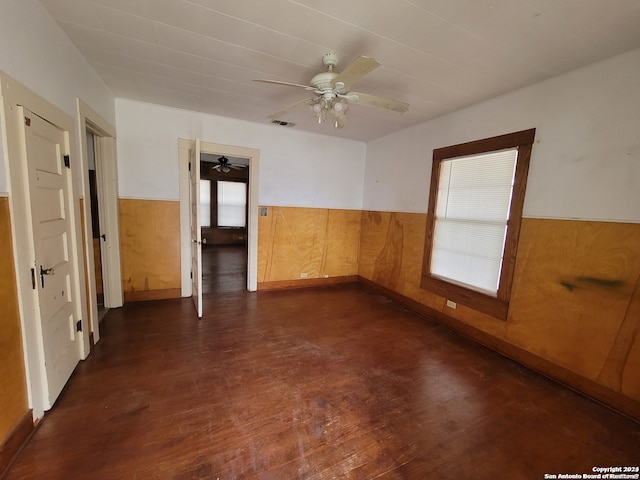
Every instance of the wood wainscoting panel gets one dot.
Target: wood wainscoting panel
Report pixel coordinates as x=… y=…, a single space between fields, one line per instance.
x=149 y=247
x=575 y=300
x=297 y=243
x=13 y=400
x=391 y=251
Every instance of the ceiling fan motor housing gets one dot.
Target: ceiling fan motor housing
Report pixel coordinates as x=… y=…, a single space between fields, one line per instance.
x=323 y=82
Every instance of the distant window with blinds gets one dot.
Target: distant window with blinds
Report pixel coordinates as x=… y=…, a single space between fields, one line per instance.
x=205 y=203
x=232 y=204
x=475 y=210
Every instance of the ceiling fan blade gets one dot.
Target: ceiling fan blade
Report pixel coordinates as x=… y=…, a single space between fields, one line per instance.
x=287 y=84
x=279 y=114
x=380 y=102
x=356 y=70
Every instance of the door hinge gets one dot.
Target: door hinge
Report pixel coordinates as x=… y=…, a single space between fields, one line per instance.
x=33 y=278
x=190 y=274
x=27 y=121
x=189 y=166
x=67 y=161
x=79 y=326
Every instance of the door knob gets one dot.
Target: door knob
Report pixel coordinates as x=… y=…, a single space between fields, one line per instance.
x=45 y=271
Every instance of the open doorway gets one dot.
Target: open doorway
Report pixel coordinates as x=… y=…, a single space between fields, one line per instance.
x=99 y=180
x=95 y=224
x=224 y=199
x=250 y=262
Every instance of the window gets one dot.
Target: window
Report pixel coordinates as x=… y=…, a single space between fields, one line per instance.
x=205 y=203
x=475 y=210
x=232 y=204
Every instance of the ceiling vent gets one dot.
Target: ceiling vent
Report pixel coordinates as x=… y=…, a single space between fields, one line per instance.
x=283 y=123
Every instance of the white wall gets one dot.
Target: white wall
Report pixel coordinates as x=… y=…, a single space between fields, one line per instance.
x=35 y=52
x=296 y=168
x=585 y=162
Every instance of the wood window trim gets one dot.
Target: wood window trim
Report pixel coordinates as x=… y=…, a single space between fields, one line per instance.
x=213 y=191
x=497 y=306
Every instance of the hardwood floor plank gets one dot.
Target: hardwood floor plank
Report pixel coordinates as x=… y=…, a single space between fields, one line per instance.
x=318 y=383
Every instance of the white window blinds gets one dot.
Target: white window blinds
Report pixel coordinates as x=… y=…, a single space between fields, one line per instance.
x=471 y=218
x=232 y=204
x=205 y=203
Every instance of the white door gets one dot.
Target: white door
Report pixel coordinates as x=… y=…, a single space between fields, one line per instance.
x=53 y=270
x=107 y=180
x=196 y=231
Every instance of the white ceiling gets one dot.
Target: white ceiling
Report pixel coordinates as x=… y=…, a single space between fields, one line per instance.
x=436 y=55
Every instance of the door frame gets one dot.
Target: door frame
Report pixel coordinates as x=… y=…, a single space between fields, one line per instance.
x=107 y=180
x=14 y=94
x=195 y=226
x=185 y=208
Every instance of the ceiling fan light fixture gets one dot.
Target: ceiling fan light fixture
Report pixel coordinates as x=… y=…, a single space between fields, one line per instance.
x=334 y=109
x=319 y=107
x=339 y=106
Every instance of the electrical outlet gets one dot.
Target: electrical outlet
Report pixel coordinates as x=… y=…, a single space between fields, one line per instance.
x=451 y=304
x=263 y=211
x=303 y=275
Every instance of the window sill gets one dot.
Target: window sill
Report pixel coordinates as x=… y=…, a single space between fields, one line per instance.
x=492 y=306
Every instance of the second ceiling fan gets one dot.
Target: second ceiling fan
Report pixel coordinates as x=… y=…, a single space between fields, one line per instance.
x=332 y=93
x=224 y=165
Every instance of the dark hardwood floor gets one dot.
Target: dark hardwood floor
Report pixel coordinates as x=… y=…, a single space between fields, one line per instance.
x=224 y=269
x=315 y=383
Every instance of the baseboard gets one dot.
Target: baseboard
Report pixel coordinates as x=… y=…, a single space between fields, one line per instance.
x=15 y=441
x=145 y=295
x=306 y=282
x=609 y=398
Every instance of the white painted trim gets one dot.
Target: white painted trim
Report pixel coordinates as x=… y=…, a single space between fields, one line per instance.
x=15 y=95
x=196 y=225
x=185 y=237
x=185 y=216
x=88 y=119
x=92 y=302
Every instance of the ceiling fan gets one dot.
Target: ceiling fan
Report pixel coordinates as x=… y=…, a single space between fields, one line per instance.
x=332 y=95
x=224 y=165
